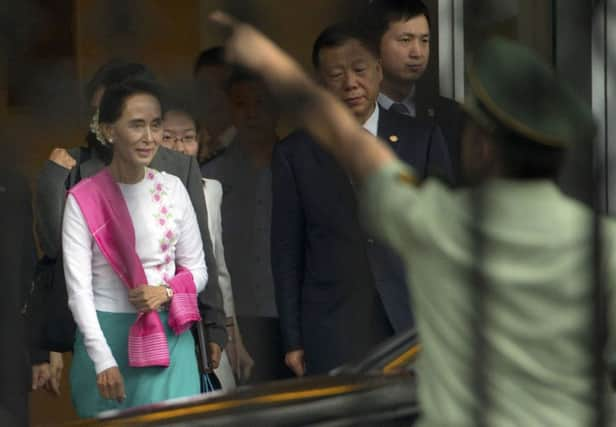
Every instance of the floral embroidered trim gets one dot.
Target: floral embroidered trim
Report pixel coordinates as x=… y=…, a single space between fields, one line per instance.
x=95 y=128
x=163 y=217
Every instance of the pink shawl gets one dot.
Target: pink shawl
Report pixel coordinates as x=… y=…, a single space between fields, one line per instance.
x=104 y=209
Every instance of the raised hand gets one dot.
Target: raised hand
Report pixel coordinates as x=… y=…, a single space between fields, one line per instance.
x=249 y=48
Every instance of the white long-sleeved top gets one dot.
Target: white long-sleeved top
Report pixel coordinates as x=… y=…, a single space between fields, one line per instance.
x=166 y=233
x=213 y=199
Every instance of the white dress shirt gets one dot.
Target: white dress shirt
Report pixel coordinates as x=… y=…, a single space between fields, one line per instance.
x=372 y=124
x=166 y=233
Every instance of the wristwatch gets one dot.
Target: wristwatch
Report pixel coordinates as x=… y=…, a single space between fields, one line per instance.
x=169 y=291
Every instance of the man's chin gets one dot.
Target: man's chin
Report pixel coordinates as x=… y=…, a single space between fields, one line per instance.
x=415 y=75
x=409 y=76
x=358 y=109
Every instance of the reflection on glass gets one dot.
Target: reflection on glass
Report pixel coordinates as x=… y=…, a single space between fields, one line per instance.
x=528 y=21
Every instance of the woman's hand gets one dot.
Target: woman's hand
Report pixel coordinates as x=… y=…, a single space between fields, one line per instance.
x=61 y=157
x=214 y=353
x=240 y=360
x=148 y=298
x=111 y=384
x=40 y=375
x=56 y=366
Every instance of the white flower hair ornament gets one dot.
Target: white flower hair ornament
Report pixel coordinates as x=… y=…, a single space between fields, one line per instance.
x=96 y=129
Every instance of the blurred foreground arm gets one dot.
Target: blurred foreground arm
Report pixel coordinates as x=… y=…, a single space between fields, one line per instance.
x=323 y=115
x=388 y=188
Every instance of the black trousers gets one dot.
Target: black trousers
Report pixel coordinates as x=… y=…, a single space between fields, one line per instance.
x=263 y=342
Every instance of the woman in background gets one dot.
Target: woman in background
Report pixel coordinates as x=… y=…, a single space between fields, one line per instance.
x=181 y=132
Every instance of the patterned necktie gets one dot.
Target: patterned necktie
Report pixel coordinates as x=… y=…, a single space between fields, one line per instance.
x=400 y=108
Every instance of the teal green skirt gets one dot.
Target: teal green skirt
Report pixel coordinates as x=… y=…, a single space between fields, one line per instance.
x=143 y=385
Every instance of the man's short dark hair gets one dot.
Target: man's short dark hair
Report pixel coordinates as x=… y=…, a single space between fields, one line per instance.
x=337 y=35
x=379 y=14
x=213 y=56
x=115 y=72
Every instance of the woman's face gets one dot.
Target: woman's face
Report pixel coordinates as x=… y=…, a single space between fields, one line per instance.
x=135 y=136
x=180 y=133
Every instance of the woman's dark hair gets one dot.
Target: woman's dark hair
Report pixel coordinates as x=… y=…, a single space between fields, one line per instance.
x=523 y=158
x=115 y=72
x=114 y=99
x=183 y=105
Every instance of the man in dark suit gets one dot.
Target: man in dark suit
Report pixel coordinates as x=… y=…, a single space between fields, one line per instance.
x=401 y=28
x=338 y=292
x=16 y=265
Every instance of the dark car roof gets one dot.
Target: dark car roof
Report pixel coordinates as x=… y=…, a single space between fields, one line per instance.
x=356 y=394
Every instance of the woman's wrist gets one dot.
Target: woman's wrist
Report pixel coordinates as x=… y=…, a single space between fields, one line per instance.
x=168 y=292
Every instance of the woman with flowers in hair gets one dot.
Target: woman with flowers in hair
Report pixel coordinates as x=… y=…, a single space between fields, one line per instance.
x=54 y=328
x=134 y=264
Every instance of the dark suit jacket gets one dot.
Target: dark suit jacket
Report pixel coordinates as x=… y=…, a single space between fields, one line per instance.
x=17 y=256
x=338 y=292
x=50 y=204
x=450 y=118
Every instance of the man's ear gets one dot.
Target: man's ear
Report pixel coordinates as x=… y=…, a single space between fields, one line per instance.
x=379 y=70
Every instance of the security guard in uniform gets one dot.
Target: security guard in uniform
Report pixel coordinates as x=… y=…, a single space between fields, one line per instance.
x=536 y=253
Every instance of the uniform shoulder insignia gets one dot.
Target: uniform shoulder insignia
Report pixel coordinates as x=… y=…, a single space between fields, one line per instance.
x=407 y=178
x=394 y=138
